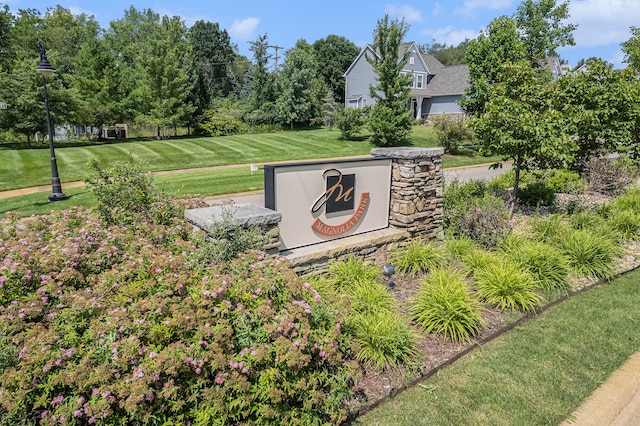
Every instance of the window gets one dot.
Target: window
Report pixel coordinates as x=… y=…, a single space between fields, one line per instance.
x=411 y=59
x=364 y=102
x=419 y=81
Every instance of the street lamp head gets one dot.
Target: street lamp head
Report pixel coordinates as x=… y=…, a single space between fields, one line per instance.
x=44 y=68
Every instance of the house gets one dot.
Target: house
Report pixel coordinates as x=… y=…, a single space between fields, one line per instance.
x=435 y=88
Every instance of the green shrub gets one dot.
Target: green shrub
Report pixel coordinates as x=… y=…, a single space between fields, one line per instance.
x=586 y=220
x=443 y=305
x=588 y=253
x=222 y=122
x=537 y=194
x=370 y=296
x=390 y=125
x=508 y=286
x=125 y=194
x=546 y=228
x=416 y=257
x=484 y=219
x=385 y=339
x=628 y=200
x=565 y=181
x=506 y=180
x=125 y=325
x=350 y=121
x=451 y=132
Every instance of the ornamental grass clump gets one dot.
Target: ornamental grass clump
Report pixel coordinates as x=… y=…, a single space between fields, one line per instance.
x=416 y=257
x=128 y=326
x=589 y=254
x=456 y=248
x=508 y=286
x=382 y=333
x=548 y=266
x=444 y=305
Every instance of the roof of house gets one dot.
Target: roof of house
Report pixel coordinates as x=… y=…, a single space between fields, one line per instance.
x=445 y=80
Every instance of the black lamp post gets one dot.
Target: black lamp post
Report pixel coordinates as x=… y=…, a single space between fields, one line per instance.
x=388 y=270
x=46 y=70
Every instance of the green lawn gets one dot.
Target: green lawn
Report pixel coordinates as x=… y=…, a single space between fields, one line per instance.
x=535 y=374
x=31 y=167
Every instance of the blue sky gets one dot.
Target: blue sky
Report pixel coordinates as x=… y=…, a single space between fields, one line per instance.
x=602 y=24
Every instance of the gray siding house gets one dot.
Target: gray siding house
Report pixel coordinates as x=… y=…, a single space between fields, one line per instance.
x=435 y=88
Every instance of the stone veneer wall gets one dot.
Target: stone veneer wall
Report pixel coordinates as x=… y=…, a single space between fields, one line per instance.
x=416 y=190
x=415 y=212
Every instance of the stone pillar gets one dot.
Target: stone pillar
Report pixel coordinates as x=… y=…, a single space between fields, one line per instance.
x=416 y=190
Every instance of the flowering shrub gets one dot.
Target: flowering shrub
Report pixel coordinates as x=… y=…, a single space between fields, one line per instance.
x=125 y=325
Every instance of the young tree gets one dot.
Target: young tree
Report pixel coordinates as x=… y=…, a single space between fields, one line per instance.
x=335 y=53
x=263 y=92
x=521 y=123
x=390 y=120
x=298 y=101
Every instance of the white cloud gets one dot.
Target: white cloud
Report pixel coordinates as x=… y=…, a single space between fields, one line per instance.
x=450 y=35
x=437 y=9
x=603 y=22
x=244 y=29
x=469 y=6
x=407 y=12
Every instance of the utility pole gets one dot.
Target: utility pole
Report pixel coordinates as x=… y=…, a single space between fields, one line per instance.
x=276 y=47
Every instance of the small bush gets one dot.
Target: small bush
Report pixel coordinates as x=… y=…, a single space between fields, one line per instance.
x=588 y=253
x=609 y=177
x=537 y=194
x=586 y=220
x=508 y=286
x=416 y=257
x=628 y=200
x=477 y=260
x=385 y=339
x=506 y=180
x=458 y=247
x=451 y=132
x=365 y=297
x=625 y=224
x=222 y=122
x=443 y=305
x=125 y=194
x=565 y=181
x=546 y=228
x=350 y=121
x=484 y=220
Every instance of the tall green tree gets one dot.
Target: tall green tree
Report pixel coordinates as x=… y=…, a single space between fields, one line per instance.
x=336 y=54
x=447 y=54
x=262 y=89
x=214 y=57
x=543 y=28
x=594 y=100
x=631 y=49
x=164 y=87
x=497 y=45
x=299 y=101
x=521 y=123
x=6 y=24
x=390 y=120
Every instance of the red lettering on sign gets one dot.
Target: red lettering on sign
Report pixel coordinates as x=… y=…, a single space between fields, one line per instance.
x=334 y=230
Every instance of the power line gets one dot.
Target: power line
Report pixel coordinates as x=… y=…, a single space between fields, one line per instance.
x=277 y=48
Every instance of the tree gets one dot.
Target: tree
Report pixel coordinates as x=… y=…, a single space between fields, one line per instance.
x=263 y=90
x=497 y=45
x=532 y=35
x=390 y=120
x=542 y=29
x=521 y=123
x=336 y=54
x=593 y=99
x=214 y=56
x=6 y=24
x=631 y=49
x=298 y=101
x=447 y=55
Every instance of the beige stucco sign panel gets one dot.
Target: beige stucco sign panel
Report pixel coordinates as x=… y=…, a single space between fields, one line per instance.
x=321 y=201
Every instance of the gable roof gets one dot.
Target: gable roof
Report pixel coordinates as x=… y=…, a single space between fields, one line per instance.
x=444 y=80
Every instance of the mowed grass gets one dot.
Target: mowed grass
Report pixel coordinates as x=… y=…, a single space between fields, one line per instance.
x=31 y=167
x=538 y=373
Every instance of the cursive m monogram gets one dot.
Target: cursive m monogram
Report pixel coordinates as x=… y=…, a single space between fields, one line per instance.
x=339 y=192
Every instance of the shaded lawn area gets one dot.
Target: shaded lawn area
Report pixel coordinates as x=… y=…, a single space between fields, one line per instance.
x=538 y=373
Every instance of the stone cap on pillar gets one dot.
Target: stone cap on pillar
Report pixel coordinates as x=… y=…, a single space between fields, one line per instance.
x=407 y=152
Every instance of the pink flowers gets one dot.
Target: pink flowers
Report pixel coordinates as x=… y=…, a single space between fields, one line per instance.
x=57 y=400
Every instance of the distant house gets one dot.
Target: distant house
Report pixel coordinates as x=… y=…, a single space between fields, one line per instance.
x=435 y=88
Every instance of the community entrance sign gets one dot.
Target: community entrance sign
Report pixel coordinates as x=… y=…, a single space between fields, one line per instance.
x=322 y=201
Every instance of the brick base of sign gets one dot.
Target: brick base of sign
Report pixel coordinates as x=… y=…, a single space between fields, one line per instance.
x=415 y=211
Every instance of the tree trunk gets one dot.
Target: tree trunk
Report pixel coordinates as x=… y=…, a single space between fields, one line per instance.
x=516 y=182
